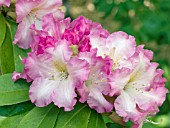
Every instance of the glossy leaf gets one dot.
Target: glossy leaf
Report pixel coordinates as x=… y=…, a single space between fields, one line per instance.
x=12 y=25
x=82 y=116
x=18 y=52
x=75 y=118
x=15 y=109
x=12 y=93
x=11 y=122
x=96 y=120
x=2 y=29
x=6 y=54
x=40 y=118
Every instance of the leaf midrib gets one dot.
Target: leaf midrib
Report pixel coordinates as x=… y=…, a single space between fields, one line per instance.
x=74 y=115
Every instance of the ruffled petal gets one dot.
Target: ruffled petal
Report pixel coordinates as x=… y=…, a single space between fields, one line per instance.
x=54 y=27
x=16 y=76
x=84 y=92
x=41 y=91
x=98 y=38
x=158 y=80
x=24 y=7
x=99 y=43
x=41 y=43
x=142 y=75
x=97 y=84
x=61 y=52
x=147 y=100
x=77 y=30
x=126 y=107
x=147 y=53
x=38 y=8
x=79 y=73
x=97 y=101
x=46 y=7
x=118 y=79
x=121 y=47
x=24 y=35
x=5 y=2
x=38 y=66
x=64 y=95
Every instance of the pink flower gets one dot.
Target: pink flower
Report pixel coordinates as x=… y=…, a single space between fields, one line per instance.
x=55 y=76
x=5 y=2
x=31 y=12
x=98 y=38
x=53 y=27
x=96 y=86
x=81 y=32
x=121 y=47
x=85 y=34
x=140 y=89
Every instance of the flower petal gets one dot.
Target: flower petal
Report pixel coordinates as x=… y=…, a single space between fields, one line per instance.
x=38 y=66
x=61 y=52
x=64 y=95
x=97 y=84
x=16 y=76
x=97 y=101
x=45 y=7
x=98 y=38
x=54 y=27
x=5 y=2
x=126 y=107
x=24 y=35
x=41 y=90
x=147 y=100
x=118 y=80
x=77 y=30
x=23 y=8
x=79 y=73
x=121 y=47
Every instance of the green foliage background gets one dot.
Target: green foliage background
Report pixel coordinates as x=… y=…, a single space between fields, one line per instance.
x=147 y=20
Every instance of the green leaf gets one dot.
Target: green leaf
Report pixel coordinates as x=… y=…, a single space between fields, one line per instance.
x=96 y=120
x=75 y=118
x=40 y=118
x=12 y=25
x=12 y=93
x=2 y=29
x=11 y=122
x=11 y=110
x=18 y=52
x=6 y=54
x=82 y=116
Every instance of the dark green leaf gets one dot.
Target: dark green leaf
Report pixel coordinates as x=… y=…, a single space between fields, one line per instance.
x=75 y=118
x=11 y=110
x=40 y=118
x=18 y=52
x=11 y=122
x=12 y=25
x=82 y=116
x=96 y=120
x=6 y=54
x=2 y=29
x=12 y=93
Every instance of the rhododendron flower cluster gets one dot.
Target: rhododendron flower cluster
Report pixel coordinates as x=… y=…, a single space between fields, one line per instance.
x=80 y=61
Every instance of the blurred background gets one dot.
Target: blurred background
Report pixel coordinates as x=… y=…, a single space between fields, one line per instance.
x=147 y=20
